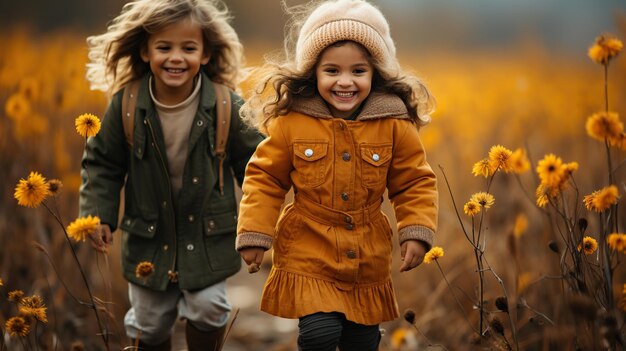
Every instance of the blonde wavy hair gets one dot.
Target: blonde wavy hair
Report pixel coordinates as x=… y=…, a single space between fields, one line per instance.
x=115 y=56
x=278 y=82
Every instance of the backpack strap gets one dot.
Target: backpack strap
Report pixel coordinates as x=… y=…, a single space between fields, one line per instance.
x=222 y=124
x=129 y=103
x=222 y=127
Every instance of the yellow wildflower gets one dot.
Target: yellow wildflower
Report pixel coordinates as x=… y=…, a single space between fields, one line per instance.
x=500 y=158
x=17 y=107
x=32 y=191
x=433 y=254
x=87 y=125
x=617 y=242
x=33 y=306
x=16 y=295
x=519 y=161
x=55 y=186
x=17 y=326
x=605 y=125
x=588 y=246
x=83 y=227
x=551 y=170
x=482 y=168
x=601 y=200
x=570 y=167
x=542 y=196
x=521 y=225
x=486 y=200
x=471 y=208
x=144 y=269
x=605 y=48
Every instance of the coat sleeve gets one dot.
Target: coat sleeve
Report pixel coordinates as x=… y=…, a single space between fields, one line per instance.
x=412 y=186
x=103 y=168
x=267 y=181
x=243 y=140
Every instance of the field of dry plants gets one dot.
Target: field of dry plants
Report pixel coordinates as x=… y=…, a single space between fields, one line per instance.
x=529 y=149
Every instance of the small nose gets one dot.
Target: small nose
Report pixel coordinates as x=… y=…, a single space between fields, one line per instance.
x=176 y=55
x=344 y=80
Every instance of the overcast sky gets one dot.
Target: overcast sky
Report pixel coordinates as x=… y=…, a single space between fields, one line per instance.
x=564 y=25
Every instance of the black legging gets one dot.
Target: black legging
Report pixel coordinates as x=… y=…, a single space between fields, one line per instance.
x=325 y=331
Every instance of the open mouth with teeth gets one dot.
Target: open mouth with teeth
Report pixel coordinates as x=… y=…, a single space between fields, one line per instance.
x=175 y=70
x=345 y=94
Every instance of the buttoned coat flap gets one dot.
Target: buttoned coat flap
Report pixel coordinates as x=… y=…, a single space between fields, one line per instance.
x=222 y=223
x=139 y=226
x=376 y=155
x=310 y=150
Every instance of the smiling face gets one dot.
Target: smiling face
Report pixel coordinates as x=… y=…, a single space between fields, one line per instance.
x=344 y=77
x=175 y=54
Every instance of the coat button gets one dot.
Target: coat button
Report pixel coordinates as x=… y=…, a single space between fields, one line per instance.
x=191 y=218
x=199 y=123
x=348 y=219
x=351 y=254
x=165 y=247
x=375 y=157
x=345 y=197
x=195 y=180
x=190 y=247
x=211 y=224
x=164 y=204
x=346 y=156
x=150 y=229
x=128 y=222
x=349 y=226
x=308 y=152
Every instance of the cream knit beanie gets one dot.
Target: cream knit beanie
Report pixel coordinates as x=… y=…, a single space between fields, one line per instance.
x=337 y=20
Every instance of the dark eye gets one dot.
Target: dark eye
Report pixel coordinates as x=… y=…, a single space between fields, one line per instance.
x=163 y=48
x=191 y=49
x=360 y=71
x=330 y=70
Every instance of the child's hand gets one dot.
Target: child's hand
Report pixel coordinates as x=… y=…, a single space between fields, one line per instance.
x=101 y=238
x=412 y=254
x=253 y=256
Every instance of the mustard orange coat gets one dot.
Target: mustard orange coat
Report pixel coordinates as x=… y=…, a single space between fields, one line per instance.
x=332 y=245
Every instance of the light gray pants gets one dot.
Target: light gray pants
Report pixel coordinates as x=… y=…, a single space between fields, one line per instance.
x=153 y=313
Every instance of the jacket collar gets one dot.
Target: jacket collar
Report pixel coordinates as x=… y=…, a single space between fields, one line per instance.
x=376 y=106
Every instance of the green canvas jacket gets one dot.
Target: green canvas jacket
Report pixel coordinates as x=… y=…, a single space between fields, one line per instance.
x=195 y=240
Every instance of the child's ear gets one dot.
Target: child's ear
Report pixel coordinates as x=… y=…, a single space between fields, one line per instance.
x=144 y=54
x=205 y=58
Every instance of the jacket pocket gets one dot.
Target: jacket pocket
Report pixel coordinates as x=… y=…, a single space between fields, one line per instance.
x=220 y=223
x=310 y=161
x=139 y=226
x=219 y=240
x=375 y=164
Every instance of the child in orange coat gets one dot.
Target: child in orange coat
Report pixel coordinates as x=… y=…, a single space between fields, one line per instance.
x=342 y=127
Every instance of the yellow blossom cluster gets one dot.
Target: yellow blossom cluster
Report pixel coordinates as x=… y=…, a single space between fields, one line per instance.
x=30 y=309
x=553 y=176
x=605 y=47
x=606 y=126
x=617 y=242
x=144 y=269
x=601 y=200
x=589 y=245
x=83 y=227
x=501 y=159
x=433 y=254
x=476 y=202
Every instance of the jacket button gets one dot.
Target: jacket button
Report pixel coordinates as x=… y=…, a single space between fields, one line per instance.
x=375 y=157
x=190 y=247
x=345 y=197
x=351 y=254
x=346 y=156
x=308 y=152
x=128 y=221
x=195 y=180
x=165 y=247
x=211 y=224
x=348 y=219
x=191 y=218
x=164 y=204
x=349 y=226
x=150 y=229
x=199 y=123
